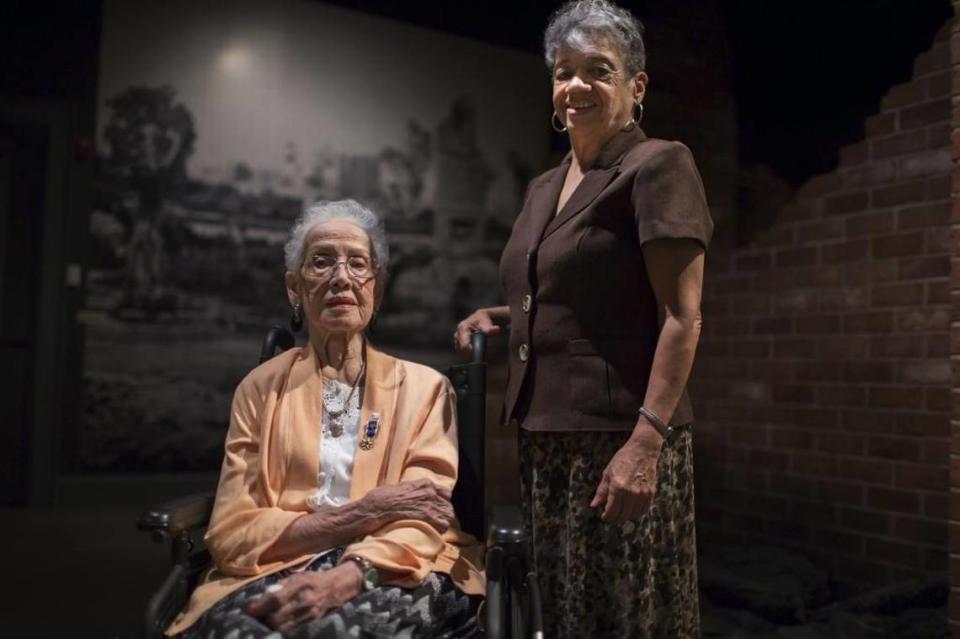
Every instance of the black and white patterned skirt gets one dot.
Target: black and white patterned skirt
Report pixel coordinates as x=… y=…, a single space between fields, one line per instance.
x=435 y=608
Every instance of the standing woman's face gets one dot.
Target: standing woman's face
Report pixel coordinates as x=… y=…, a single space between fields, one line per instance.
x=592 y=93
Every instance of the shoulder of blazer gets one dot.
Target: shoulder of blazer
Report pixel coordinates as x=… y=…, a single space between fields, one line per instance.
x=272 y=372
x=654 y=152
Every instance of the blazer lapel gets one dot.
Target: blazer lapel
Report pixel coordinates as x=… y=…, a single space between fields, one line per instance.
x=300 y=424
x=543 y=203
x=380 y=391
x=604 y=169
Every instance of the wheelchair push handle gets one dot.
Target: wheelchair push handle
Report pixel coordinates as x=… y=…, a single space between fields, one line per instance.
x=478 y=342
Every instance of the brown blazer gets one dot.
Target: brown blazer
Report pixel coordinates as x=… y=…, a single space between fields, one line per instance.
x=583 y=316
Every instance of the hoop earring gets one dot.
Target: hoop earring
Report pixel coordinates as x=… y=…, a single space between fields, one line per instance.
x=554 y=119
x=637 y=117
x=296 y=318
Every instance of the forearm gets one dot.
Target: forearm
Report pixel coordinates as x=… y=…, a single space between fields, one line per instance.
x=329 y=527
x=499 y=314
x=672 y=363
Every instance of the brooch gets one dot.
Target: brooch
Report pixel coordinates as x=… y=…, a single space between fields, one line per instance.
x=370 y=431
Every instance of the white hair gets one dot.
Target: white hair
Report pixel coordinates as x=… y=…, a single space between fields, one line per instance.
x=578 y=24
x=324 y=211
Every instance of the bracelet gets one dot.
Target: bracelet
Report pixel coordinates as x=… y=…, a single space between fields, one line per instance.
x=667 y=432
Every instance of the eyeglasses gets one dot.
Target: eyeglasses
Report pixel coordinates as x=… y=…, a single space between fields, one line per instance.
x=358 y=267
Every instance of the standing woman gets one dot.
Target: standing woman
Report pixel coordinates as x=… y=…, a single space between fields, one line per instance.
x=603 y=275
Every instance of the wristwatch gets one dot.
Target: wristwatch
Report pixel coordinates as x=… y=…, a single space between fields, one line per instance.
x=369 y=575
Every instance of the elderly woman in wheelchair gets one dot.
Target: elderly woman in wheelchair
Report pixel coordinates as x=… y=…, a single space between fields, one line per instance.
x=332 y=516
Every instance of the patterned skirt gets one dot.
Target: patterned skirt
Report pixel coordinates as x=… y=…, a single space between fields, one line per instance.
x=435 y=608
x=638 y=579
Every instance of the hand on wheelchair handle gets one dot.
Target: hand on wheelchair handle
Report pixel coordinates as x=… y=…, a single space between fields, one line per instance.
x=420 y=499
x=480 y=321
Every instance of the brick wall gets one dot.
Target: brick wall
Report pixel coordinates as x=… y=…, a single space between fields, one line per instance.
x=954 y=546
x=822 y=383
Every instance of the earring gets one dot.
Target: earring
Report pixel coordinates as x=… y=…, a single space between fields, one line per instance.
x=296 y=318
x=637 y=116
x=554 y=119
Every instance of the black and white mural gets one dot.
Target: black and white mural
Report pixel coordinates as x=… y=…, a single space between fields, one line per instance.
x=217 y=123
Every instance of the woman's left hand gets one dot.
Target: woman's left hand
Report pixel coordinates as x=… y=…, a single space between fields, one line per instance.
x=629 y=481
x=307 y=595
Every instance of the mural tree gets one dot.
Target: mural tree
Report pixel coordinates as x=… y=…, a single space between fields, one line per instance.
x=150 y=137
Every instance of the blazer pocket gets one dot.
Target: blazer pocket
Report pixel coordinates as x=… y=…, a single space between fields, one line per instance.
x=609 y=377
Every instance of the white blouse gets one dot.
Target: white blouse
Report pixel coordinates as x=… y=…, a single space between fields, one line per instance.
x=337 y=450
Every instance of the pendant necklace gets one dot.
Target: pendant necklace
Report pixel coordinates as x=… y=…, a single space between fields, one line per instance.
x=335 y=414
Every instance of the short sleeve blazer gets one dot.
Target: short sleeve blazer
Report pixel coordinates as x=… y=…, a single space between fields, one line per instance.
x=584 y=319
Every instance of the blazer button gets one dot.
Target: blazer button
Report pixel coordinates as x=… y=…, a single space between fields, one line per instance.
x=524 y=352
x=525 y=305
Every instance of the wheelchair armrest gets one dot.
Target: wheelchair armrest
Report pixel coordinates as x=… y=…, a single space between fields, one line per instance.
x=178 y=515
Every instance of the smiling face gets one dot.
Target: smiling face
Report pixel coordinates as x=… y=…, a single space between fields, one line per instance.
x=592 y=92
x=333 y=298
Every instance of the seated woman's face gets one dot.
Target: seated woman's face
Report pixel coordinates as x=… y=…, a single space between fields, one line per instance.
x=337 y=278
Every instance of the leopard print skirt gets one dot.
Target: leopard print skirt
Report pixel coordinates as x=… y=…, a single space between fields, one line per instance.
x=638 y=579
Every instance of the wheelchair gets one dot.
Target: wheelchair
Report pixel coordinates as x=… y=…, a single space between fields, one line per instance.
x=511 y=609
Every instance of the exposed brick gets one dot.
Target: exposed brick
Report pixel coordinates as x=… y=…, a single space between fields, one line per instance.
x=936 y=505
x=923 y=319
x=938 y=346
x=815 y=417
x=938 y=136
x=793 y=438
x=925 y=372
x=923 y=114
x=853 y=154
x=935 y=453
x=896 y=346
x=901 y=94
x=820 y=185
x=872 y=174
x=782 y=235
x=792 y=393
x=897 y=245
x=899 y=144
x=773 y=370
x=921 y=477
x=938 y=187
x=937 y=399
x=750 y=348
x=841 y=299
x=893 y=552
x=938 y=292
x=868 y=322
x=864 y=521
x=934 y=214
x=869 y=224
x=851 y=251
x=792 y=485
x=846 y=346
x=869 y=371
x=847 y=202
x=767 y=459
x=814 y=465
x=915 y=268
x=923 y=424
x=753 y=262
x=841 y=443
x=772 y=325
x=794 y=301
x=768 y=505
x=819 y=230
x=794 y=347
x=870 y=272
x=896 y=448
x=835 y=540
x=814 y=513
x=802 y=256
x=842 y=395
x=880 y=125
x=939 y=84
x=922 y=531
x=871 y=421
x=897 y=295
x=938 y=240
x=823 y=276
x=888 y=499
x=901 y=193
x=817 y=324
x=932 y=161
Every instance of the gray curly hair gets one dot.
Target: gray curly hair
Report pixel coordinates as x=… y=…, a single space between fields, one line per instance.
x=326 y=210
x=578 y=23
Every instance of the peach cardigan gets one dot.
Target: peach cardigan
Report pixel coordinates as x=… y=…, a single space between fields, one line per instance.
x=271 y=463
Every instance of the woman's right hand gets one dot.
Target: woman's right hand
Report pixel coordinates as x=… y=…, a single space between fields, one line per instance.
x=419 y=499
x=482 y=320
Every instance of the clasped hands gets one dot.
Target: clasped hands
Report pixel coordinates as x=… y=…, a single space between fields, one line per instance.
x=629 y=481
x=309 y=595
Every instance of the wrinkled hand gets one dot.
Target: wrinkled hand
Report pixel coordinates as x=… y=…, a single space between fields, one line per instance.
x=420 y=499
x=480 y=321
x=629 y=481
x=305 y=596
